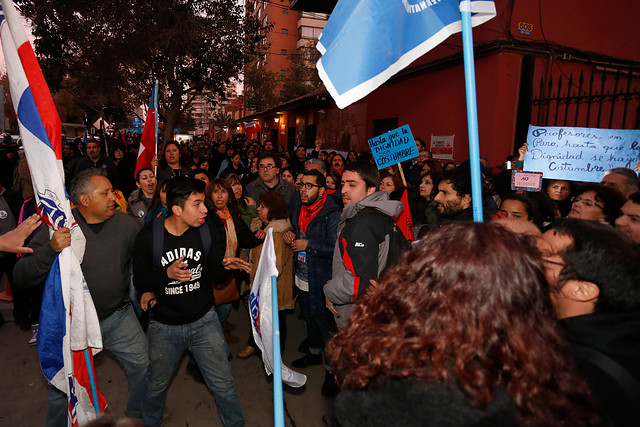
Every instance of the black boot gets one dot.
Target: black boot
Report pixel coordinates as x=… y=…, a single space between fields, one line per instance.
x=307 y=360
x=329 y=386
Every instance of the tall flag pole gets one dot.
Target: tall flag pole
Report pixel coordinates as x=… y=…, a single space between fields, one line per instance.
x=149 y=140
x=472 y=110
x=69 y=332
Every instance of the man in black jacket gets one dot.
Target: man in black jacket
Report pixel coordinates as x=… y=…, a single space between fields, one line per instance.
x=594 y=273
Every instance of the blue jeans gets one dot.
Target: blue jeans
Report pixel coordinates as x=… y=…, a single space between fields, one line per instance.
x=205 y=340
x=122 y=335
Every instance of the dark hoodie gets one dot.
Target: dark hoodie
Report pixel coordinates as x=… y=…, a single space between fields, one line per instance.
x=616 y=336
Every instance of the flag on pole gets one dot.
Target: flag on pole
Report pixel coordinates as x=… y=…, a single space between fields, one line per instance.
x=365 y=42
x=68 y=320
x=149 y=139
x=261 y=312
x=251 y=127
x=404 y=221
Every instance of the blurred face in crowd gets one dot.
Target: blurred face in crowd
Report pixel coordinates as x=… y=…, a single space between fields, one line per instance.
x=449 y=201
x=263 y=213
x=147 y=182
x=585 y=206
x=268 y=170
x=268 y=146
x=287 y=176
x=236 y=159
x=118 y=153
x=322 y=155
x=514 y=209
x=219 y=198
x=629 y=221
x=222 y=148
x=352 y=156
x=204 y=165
x=202 y=177
x=423 y=156
x=559 y=190
x=309 y=190
x=337 y=163
x=93 y=150
x=331 y=184
x=301 y=153
x=386 y=184
x=237 y=190
x=172 y=154
x=426 y=187
x=284 y=163
x=551 y=244
x=354 y=188
x=617 y=181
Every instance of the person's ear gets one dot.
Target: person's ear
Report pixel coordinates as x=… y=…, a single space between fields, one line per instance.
x=84 y=200
x=581 y=291
x=466 y=200
x=177 y=210
x=371 y=190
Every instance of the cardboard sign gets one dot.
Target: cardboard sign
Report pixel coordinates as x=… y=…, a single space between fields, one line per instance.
x=580 y=154
x=393 y=147
x=526 y=181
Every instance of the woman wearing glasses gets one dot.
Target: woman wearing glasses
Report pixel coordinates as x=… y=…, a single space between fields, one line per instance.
x=596 y=202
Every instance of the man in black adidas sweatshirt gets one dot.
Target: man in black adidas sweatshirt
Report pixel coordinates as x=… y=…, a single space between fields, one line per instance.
x=174 y=265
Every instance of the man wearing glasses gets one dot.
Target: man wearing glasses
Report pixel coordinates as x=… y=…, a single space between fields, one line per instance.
x=269 y=178
x=315 y=216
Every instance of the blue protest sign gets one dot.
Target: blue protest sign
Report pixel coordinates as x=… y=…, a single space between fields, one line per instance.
x=137 y=122
x=393 y=147
x=580 y=154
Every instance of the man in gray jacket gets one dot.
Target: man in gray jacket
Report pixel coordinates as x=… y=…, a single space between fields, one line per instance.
x=110 y=238
x=362 y=248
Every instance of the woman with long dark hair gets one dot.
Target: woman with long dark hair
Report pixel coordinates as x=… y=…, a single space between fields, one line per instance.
x=460 y=332
x=169 y=164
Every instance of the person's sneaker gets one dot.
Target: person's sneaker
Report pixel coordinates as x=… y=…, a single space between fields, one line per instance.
x=307 y=360
x=329 y=386
x=34 y=336
x=194 y=372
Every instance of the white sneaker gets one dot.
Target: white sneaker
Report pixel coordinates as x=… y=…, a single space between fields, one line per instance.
x=34 y=336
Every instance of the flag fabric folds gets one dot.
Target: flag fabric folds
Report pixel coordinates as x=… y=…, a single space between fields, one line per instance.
x=68 y=320
x=251 y=127
x=365 y=42
x=404 y=221
x=262 y=315
x=149 y=138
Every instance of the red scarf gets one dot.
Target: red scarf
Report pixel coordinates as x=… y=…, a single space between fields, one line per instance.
x=307 y=213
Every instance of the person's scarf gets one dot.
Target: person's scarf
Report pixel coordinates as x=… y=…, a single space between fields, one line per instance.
x=307 y=213
x=232 y=238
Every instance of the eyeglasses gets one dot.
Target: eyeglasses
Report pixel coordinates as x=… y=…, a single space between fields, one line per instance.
x=308 y=185
x=587 y=202
x=268 y=167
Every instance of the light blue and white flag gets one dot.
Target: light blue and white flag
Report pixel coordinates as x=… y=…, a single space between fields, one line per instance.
x=262 y=314
x=365 y=42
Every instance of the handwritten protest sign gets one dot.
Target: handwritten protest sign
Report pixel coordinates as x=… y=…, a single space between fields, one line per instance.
x=580 y=154
x=393 y=147
x=526 y=181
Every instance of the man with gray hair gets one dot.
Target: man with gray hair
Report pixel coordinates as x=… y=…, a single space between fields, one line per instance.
x=316 y=164
x=110 y=238
x=624 y=180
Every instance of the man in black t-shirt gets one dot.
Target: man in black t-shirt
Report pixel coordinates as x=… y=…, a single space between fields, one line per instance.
x=174 y=264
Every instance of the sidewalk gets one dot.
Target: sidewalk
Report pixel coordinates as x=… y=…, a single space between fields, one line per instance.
x=23 y=389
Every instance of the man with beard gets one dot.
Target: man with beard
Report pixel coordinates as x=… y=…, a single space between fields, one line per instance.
x=315 y=217
x=454 y=197
x=629 y=221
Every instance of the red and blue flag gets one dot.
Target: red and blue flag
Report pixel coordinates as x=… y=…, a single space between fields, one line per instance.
x=69 y=332
x=149 y=139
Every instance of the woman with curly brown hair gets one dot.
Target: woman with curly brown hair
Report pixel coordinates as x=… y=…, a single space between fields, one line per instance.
x=460 y=332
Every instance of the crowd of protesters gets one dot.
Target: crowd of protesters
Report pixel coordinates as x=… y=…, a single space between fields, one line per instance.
x=529 y=318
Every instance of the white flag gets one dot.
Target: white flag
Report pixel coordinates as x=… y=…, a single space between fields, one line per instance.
x=262 y=315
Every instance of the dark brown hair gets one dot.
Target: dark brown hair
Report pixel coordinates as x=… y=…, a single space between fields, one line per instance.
x=469 y=305
x=232 y=204
x=275 y=203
